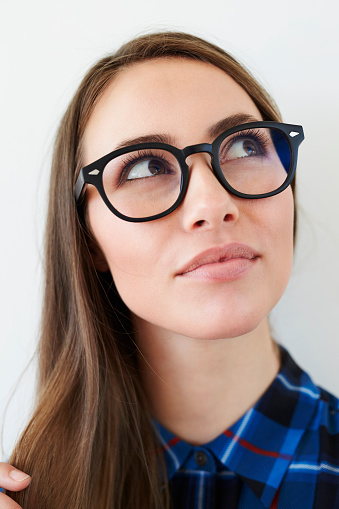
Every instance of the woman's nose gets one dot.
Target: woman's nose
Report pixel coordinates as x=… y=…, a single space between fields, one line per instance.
x=207 y=205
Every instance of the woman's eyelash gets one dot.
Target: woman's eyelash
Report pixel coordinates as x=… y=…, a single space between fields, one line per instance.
x=258 y=136
x=131 y=159
x=141 y=156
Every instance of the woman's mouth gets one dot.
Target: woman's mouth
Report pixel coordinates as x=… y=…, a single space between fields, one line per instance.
x=221 y=263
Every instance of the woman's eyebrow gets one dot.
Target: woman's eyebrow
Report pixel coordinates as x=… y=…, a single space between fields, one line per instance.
x=229 y=122
x=148 y=138
x=212 y=132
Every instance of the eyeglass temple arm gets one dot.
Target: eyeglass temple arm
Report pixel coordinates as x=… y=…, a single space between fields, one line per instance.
x=79 y=186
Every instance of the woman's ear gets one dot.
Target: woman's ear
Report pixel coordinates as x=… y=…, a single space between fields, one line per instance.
x=96 y=253
x=98 y=256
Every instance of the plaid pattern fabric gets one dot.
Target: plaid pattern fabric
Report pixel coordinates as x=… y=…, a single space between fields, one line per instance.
x=282 y=454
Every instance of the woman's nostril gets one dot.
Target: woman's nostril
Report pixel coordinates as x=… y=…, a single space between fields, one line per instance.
x=228 y=217
x=200 y=223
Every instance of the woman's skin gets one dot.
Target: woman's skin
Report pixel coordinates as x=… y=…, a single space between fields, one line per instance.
x=206 y=354
x=14 y=480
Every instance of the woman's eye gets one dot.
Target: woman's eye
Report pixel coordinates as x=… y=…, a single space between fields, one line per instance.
x=146 y=168
x=242 y=148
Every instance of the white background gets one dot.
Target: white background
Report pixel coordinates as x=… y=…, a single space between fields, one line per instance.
x=46 y=46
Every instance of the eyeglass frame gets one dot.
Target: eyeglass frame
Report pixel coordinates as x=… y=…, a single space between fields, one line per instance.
x=93 y=172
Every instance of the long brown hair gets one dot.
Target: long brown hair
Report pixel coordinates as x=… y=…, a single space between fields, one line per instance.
x=90 y=443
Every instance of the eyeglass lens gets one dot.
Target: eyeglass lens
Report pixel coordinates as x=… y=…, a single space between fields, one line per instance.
x=147 y=182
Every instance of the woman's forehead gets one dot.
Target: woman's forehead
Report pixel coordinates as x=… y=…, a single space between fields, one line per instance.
x=178 y=97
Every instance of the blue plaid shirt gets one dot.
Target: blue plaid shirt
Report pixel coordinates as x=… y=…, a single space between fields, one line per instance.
x=282 y=454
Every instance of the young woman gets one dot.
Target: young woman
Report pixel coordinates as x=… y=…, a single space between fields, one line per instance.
x=169 y=240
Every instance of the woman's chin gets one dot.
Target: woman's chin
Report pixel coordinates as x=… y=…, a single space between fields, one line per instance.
x=225 y=329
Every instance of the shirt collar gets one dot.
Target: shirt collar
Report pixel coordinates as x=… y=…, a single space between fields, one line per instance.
x=261 y=444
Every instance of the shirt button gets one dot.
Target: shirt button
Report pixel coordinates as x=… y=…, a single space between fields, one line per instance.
x=200 y=458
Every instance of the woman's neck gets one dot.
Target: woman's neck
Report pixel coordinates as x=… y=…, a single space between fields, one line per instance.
x=198 y=388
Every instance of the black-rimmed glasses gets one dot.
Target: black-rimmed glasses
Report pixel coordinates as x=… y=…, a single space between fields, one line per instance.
x=147 y=181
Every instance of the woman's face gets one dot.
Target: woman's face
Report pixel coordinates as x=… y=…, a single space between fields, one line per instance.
x=174 y=273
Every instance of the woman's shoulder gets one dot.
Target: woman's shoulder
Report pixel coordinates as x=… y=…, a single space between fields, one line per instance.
x=312 y=476
x=321 y=438
x=315 y=418
x=326 y=419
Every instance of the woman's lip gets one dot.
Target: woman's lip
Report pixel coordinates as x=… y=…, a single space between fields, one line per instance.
x=238 y=254
x=228 y=270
